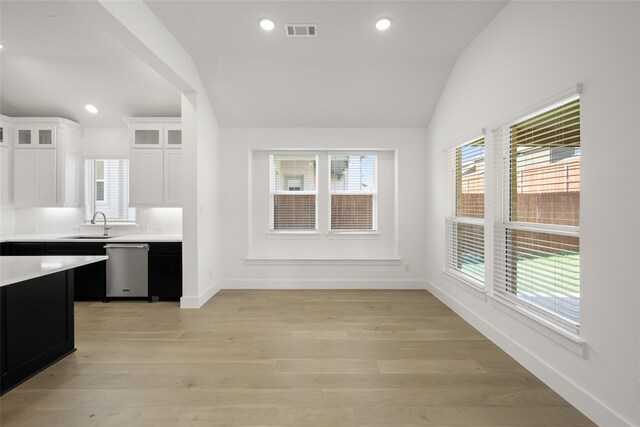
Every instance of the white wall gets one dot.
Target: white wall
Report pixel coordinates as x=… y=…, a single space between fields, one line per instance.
x=531 y=51
x=237 y=146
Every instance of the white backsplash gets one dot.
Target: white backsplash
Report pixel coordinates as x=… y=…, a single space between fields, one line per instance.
x=71 y=221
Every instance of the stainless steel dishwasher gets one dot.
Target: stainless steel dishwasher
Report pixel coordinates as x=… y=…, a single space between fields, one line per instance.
x=127 y=270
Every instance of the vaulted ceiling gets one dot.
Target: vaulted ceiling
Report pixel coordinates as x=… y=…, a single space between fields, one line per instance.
x=350 y=75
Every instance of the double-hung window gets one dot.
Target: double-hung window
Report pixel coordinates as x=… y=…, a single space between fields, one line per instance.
x=352 y=192
x=537 y=252
x=294 y=192
x=465 y=211
x=106 y=183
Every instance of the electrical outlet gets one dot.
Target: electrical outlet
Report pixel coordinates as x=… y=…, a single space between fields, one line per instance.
x=210 y=273
x=407 y=267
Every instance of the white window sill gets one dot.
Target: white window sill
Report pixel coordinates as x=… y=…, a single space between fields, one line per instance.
x=355 y=235
x=565 y=338
x=257 y=260
x=110 y=224
x=474 y=287
x=293 y=235
x=312 y=235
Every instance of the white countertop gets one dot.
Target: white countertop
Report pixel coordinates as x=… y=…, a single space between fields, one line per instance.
x=137 y=238
x=14 y=269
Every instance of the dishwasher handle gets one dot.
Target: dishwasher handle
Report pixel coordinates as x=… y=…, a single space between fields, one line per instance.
x=145 y=246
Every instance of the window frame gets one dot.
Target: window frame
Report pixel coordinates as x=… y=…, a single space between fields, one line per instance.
x=273 y=193
x=505 y=175
x=94 y=204
x=451 y=212
x=374 y=200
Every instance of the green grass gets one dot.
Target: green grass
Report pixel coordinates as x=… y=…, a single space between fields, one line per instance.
x=532 y=279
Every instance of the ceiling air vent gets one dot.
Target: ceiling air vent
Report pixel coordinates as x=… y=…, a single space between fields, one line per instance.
x=301 y=30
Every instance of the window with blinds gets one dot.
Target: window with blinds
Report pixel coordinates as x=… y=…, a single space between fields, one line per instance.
x=352 y=192
x=537 y=259
x=294 y=191
x=106 y=189
x=464 y=218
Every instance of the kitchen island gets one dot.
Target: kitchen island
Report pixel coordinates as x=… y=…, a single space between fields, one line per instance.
x=36 y=313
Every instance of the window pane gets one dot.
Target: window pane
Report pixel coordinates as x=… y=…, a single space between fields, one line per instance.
x=107 y=189
x=466 y=255
x=293 y=173
x=544 y=269
x=353 y=174
x=100 y=191
x=99 y=169
x=294 y=212
x=470 y=179
x=352 y=212
x=545 y=163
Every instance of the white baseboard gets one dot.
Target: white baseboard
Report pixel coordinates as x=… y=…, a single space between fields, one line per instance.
x=199 y=301
x=322 y=284
x=584 y=401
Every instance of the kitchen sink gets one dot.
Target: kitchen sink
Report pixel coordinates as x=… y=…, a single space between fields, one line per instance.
x=89 y=237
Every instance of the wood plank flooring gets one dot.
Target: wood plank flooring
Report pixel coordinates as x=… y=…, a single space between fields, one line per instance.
x=285 y=358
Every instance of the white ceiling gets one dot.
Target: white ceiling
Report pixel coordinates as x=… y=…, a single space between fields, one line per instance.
x=54 y=67
x=351 y=75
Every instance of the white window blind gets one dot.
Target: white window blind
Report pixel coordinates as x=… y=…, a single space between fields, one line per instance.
x=537 y=254
x=465 y=211
x=294 y=191
x=353 y=192
x=106 y=189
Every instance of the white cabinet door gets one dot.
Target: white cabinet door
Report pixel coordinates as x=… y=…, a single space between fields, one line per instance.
x=173 y=136
x=6 y=176
x=147 y=137
x=46 y=182
x=24 y=177
x=173 y=177
x=34 y=177
x=146 y=177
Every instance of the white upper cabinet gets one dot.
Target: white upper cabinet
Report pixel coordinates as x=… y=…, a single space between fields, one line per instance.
x=146 y=182
x=173 y=177
x=155 y=170
x=46 y=162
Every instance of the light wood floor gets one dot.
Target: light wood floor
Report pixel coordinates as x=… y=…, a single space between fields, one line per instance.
x=286 y=358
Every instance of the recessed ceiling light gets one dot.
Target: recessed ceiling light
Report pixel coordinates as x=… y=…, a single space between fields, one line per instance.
x=91 y=108
x=383 y=24
x=267 y=24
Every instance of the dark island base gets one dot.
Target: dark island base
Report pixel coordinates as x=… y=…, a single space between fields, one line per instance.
x=36 y=326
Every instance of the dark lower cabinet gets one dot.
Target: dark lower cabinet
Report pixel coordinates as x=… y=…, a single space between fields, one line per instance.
x=4 y=248
x=26 y=249
x=90 y=280
x=165 y=271
x=36 y=326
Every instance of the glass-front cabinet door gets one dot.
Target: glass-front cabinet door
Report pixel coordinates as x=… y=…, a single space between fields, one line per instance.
x=35 y=136
x=150 y=137
x=172 y=137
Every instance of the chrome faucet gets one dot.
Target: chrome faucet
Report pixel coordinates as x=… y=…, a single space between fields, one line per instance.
x=106 y=227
